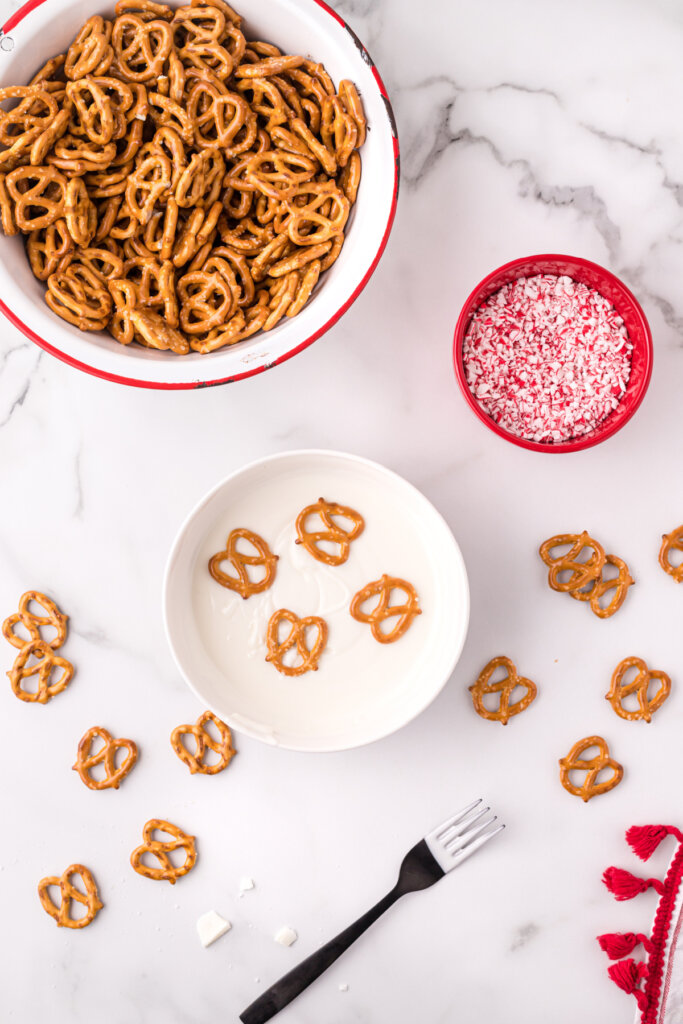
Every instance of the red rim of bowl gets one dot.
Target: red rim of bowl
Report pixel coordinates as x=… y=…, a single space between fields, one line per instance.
x=19 y=16
x=490 y=284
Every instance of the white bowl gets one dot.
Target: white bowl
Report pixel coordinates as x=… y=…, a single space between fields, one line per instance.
x=363 y=690
x=296 y=26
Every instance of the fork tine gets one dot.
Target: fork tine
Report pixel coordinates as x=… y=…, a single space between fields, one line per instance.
x=462 y=841
x=460 y=855
x=461 y=835
x=455 y=819
x=464 y=826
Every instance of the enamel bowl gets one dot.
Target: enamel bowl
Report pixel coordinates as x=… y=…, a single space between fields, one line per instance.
x=41 y=29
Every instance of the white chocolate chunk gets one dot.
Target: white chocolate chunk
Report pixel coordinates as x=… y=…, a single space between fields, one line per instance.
x=286 y=936
x=210 y=926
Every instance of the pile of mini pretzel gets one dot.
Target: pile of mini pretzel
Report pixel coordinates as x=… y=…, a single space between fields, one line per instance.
x=39 y=674
x=576 y=564
x=178 y=185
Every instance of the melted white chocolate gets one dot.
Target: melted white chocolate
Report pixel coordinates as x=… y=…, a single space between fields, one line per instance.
x=354 y=670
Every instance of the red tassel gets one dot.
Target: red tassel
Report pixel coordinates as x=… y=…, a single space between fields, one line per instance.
x=644 y=839
x=617 y=945
x=625 y=974
x=625 y=886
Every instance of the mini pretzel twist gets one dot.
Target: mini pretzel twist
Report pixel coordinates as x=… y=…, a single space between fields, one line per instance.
x=79 y=213
x=241 y=582
x=141 y=47
x=161 y=849
x=581 y=573
x=339 y=131
x=45 y=664
x=350 y=98
x=218 y=115
x=106 y=755
x=50 y=249
x=204 y=741
x=79 y=296
x=23 y=124
x=90 y=52
x=153 y=331
x=276 y=173
x=383 y=609
x=596 y=590
x=320 y=215
x=295 y=638
x=39 y=194
x=672 y=542
x=69 y=894
x=206 y=300
x=93 y=115
x=504 y=689
x=333 y=533
x=638 y=685
x=7 y=221
x=147 y=184
x=33 y=623
x=592 y=766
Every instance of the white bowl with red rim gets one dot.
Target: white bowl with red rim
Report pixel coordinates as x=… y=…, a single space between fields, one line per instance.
x=42 y=28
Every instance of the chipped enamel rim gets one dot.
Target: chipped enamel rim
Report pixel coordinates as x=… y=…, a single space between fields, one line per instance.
x=199 y=374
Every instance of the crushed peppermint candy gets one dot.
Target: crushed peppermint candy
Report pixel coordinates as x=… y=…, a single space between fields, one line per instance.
x=547 y=358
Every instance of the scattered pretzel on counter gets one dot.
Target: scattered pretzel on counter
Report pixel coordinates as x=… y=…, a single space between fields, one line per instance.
x=596 y=590
x=296 y=639
x=583 y=578
x=37 y=654
x=592 y=766
x=106 y=755
x=37 y=658
x=33 y=622
x=503 y=688
x=580 y=573
x=672 y=542
x=70 y=893
x=333 y=532
x=203 y=741
x=638 y=685
x=160 y=848
x=380 y=592
x=178 y=185
x=241 y=582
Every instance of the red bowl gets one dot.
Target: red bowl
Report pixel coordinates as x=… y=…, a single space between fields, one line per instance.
x=626 y=306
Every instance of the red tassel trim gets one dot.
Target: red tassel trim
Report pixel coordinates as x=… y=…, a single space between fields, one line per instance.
x=627 y=974
x=619 y=944
x=625 y=886
x=644 y=839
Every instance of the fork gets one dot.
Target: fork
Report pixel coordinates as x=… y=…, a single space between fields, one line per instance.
x=441 y=850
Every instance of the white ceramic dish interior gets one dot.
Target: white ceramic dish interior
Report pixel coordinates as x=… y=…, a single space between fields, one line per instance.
x=363 y=690
x=296 y=26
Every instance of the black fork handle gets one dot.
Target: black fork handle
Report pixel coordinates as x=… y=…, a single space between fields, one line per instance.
x=299 y=978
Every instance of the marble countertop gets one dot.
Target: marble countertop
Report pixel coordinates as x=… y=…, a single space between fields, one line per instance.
x=525 y=127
